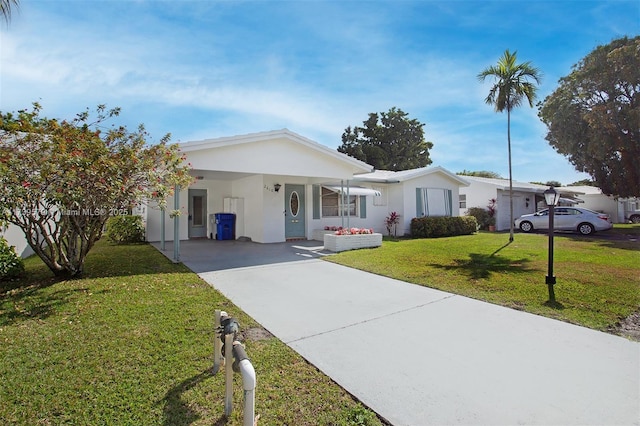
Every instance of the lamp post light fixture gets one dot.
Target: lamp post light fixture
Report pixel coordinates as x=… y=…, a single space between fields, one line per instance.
x=551 y=197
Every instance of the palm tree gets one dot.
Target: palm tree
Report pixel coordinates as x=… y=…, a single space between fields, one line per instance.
x=5 y=8
x=512 y=83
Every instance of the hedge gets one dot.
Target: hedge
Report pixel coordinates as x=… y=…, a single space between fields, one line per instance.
x=432 y=227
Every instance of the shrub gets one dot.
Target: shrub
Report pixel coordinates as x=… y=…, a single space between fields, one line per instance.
x=481 y=215
x=391 y=222
x=125 y=229
x=11 y=265
x=432 y=227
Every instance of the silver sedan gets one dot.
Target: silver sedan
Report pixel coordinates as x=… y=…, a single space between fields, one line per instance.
x=584 y=221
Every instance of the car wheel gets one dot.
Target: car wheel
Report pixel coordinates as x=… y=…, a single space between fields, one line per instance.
x=635 y=218
x=585 y=228
x=526 y=226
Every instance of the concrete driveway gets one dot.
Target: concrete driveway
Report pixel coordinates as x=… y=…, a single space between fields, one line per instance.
x=419 y=356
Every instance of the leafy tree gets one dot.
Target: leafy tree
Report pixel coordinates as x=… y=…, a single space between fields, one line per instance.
x=6 y=7
x=62 y=180
x=513 y=83
x=593 y=117
x=389 y=141
x=480 y=173
x=583 y=182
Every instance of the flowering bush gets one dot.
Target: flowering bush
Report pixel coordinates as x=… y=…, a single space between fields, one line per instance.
x=353 y=231
x=61 y=180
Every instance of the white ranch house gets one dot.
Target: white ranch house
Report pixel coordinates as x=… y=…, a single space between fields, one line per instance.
x=282 y=186
x=527 y=197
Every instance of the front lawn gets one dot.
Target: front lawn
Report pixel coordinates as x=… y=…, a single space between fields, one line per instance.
x=131 y=343
x=598 y=280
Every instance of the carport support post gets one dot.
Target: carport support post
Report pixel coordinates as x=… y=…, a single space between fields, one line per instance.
x=176 y=225
x=162 y=230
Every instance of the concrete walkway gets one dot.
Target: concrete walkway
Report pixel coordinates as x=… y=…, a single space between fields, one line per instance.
x=419 y=356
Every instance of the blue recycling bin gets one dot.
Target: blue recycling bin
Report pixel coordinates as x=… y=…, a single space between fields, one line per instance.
x=225 y=226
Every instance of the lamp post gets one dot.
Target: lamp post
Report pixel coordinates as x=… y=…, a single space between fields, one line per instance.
x=551 y=197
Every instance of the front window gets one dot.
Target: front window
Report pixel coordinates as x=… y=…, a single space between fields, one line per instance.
x=332 y=202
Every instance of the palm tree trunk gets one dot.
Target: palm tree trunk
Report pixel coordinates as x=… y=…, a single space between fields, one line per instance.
x=510 y=175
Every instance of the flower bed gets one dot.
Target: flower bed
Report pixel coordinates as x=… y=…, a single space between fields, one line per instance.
x=351 y=239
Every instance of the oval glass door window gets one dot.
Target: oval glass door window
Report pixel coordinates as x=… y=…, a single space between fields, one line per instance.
x=294 y=204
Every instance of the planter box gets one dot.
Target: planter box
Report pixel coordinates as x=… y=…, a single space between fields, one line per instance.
x=318 y=234
x=336 y=243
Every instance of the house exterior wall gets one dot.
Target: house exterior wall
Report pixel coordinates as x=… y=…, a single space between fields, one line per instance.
x=434 y=181
x=248 y=167
x=15 y=237
x=274 y=157
x=523 y=203
x=250 y=189
x=479 y=193
x=216 y=192
x=374 y=215
x=604 y=204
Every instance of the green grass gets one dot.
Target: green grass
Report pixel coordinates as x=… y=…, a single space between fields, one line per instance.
x=131 y=343
x=598 y=281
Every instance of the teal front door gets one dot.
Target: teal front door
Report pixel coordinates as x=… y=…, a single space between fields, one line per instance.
x=197 y=213
x=294 y=225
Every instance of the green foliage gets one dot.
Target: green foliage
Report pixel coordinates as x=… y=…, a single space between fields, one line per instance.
x=513 y=83
x=482 y=217
x=11 y=265
x=391 y=222
x=360 y=416
x=62 y=180
x=583 y=182
x=436 y=226
x=125 y=229
x=593 y=117
x=389 y=141
x=480 y=173
x=6 y=8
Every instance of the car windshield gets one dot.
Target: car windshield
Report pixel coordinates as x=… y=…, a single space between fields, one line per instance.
x=543 y=213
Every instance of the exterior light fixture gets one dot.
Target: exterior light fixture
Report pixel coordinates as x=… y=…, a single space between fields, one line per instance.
x=277 y=187
x=551 y=197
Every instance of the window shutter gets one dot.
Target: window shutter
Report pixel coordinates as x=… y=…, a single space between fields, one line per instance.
x=419 y=203
x=363 y=206
x=315 y=189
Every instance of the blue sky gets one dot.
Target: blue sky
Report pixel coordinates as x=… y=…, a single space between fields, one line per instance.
x=206 y=69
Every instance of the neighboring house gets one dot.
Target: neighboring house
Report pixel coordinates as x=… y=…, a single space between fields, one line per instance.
x=618 y=209
x=283 y=186
x=527 y=197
